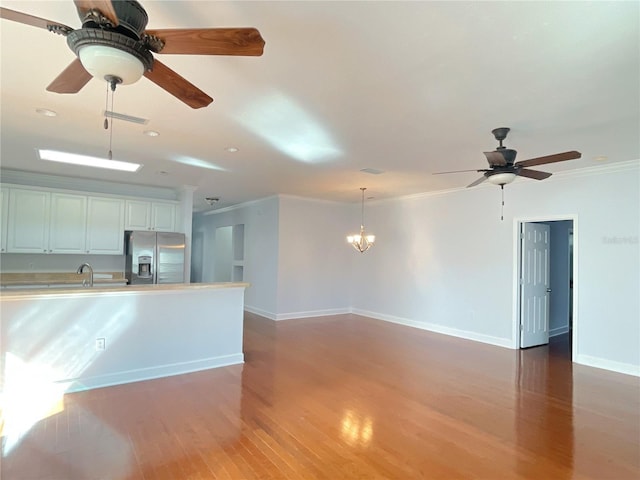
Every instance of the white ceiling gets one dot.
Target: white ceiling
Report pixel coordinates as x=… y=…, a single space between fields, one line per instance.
x=410 y=88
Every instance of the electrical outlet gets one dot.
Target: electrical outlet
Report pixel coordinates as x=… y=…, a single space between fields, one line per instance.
x=101 y=343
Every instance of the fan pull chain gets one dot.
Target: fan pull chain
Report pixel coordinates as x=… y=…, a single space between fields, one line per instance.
x=106 y=107
x=502 y=207
x=113 y=91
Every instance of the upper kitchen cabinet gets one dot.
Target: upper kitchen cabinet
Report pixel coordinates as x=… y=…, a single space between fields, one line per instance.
x=151 y=215
x=4 y=211
x=57 y=222
x=68 y=223
x=28 y=221
x=105 y=226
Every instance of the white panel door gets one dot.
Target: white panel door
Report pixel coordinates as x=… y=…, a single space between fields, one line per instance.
x=68 y=227
x=105 y=226
x=28 y=230
x=534 y=285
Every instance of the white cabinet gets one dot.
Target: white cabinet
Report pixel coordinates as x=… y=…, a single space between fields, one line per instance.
x=163 y=216
x=28 y=228
x=147 y=215
x=105 y=226
x=55 y=222
x=4 y=211
x=68 y=223
x=137 y=215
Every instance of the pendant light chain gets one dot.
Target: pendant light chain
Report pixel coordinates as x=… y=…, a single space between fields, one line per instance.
x=362 y=211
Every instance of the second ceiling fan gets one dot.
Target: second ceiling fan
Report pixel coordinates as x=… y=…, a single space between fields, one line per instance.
x=504 y=169
x=113 y=45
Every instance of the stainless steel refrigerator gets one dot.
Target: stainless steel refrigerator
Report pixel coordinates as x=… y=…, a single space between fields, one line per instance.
x=153 y=257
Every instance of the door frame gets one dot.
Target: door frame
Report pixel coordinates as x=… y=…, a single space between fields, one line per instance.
x=517 y=250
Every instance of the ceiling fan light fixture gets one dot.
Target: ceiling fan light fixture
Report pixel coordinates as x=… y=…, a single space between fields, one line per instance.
x=501 y=178
x=103 y=61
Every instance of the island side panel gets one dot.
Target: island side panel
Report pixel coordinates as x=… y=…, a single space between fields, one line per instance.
x=147 y=334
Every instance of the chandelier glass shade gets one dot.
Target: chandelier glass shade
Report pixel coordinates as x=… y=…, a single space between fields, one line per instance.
x=361 y=241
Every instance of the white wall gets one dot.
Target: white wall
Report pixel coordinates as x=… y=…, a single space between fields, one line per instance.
x=31 y=262
x=222 y=256
x=445 y=262
x=314 y=258
x=260 y=250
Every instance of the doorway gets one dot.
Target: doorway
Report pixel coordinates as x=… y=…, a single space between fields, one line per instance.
x=545 y=289
x=228 y=257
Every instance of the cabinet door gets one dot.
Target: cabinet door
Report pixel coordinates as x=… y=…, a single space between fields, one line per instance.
x=4 y=211
x=137 y=215
x=28 y=230
x=105 y=226
x=68 y=225
x=163 y=217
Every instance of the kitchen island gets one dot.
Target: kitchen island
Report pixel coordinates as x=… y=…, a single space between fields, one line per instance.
x=77 y=339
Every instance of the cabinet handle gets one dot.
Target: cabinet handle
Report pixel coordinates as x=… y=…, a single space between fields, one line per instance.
x=45 y=250
x=50 y=251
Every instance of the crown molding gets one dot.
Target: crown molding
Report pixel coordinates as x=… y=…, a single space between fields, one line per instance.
x=34 y=179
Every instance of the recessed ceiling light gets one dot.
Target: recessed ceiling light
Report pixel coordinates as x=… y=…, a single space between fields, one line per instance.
x=151 y=133
x=87 y=161
x=231 y=149
x=601 y=158
x=46 y=112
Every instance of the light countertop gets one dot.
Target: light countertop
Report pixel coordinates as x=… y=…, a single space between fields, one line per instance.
x=123 y=290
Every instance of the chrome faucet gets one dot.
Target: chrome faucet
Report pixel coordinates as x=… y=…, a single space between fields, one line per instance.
x=81 y=270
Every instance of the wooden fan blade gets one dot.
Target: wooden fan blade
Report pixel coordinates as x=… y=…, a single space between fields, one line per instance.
x=535 y=174
x=29 y=19
x=177 y=86
x=211 y=41
x=558 y=157
x=495 y=159
x=477 y=182
x=71 y=80
x=103 y=6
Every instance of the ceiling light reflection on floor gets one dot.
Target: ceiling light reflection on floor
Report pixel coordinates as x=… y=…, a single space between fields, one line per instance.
x=356 y=429
x=290 y=129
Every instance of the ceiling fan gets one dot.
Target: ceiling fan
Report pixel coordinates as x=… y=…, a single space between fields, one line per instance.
x=504 y=169
x=112 y=44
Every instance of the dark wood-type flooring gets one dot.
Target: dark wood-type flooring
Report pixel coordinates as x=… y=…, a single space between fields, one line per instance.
x=347 y=397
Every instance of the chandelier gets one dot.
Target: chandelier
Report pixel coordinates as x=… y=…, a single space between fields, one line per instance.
x=361 y=242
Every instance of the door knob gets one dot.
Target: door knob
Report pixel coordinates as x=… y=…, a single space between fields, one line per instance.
x=548 y=290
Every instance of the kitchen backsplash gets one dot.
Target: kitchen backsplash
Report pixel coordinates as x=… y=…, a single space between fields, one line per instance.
x=26 y=262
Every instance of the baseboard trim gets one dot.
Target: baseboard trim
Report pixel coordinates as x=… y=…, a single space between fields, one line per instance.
x=554 y=332
x=432 y=327
x=129 y=376
x=626 y=368
x=313 y=313
x=262 y=313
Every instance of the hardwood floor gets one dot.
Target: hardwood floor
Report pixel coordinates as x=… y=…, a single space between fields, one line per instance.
x=347 y=397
